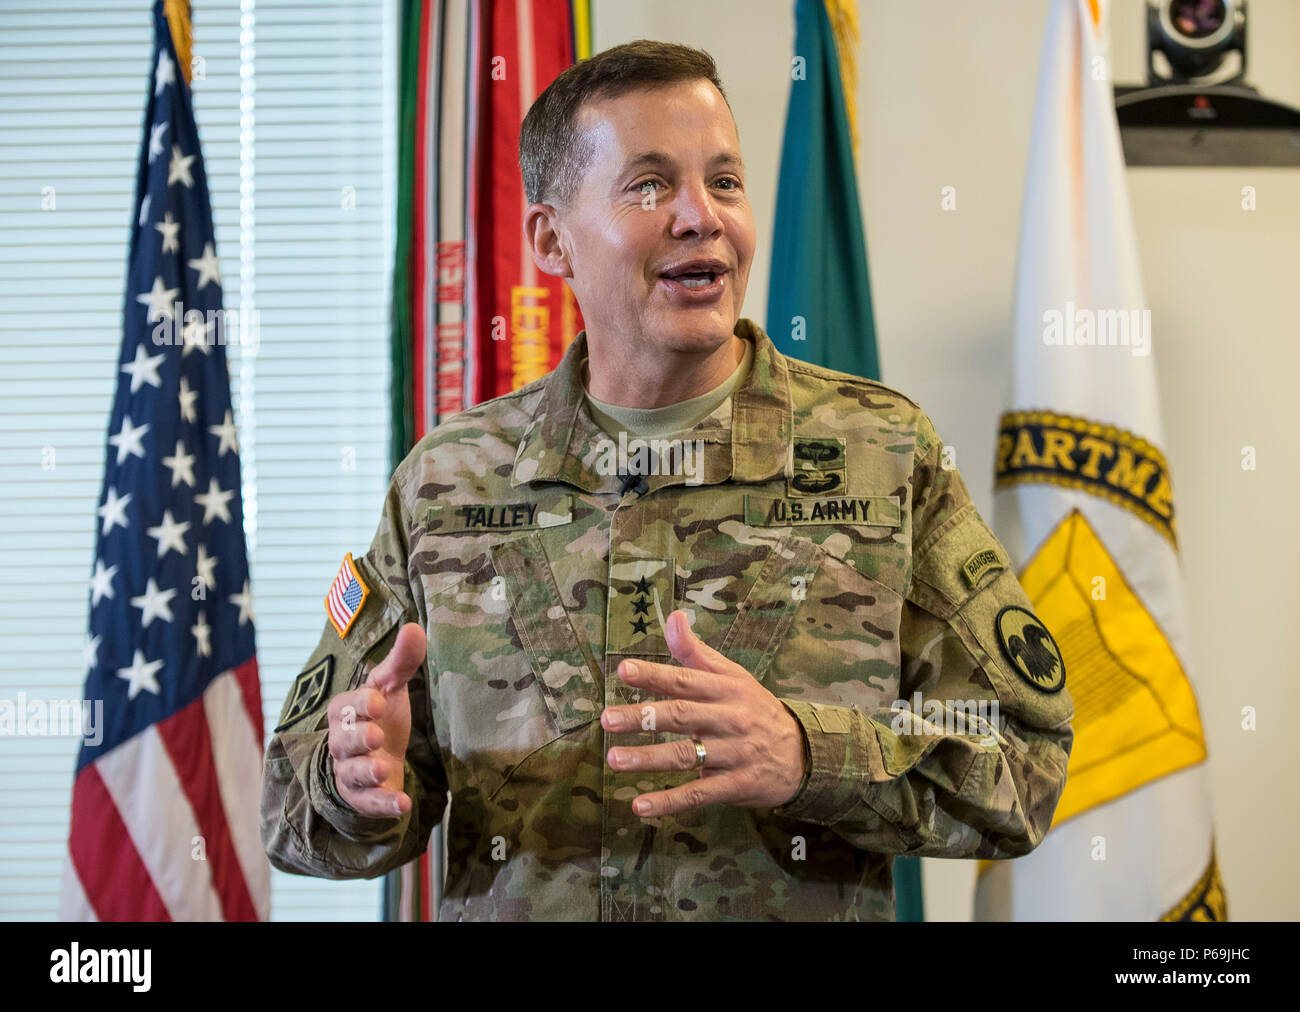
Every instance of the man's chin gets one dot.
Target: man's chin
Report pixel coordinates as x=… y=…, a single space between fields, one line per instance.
x=695 y=329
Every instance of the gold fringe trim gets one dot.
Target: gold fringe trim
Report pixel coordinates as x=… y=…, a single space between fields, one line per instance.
x=178 y=18
x=844 y=23
x=582 y=28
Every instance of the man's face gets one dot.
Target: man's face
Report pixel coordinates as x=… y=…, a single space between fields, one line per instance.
x=664 y=187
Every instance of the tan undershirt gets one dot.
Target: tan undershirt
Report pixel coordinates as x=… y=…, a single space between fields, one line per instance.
x=649 y=423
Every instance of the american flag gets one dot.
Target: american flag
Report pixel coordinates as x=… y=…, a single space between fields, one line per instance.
x=347 y=594
x=165 y=806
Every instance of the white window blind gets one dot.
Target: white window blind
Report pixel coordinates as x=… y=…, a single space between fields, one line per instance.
x=297 y=103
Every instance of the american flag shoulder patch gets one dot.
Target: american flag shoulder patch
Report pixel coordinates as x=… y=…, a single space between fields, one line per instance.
x=344 y=601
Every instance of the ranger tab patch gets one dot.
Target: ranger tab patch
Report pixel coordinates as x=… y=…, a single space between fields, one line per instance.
x=346 y=597
x=985 y=560
x=309 y=688
x=1030 y=648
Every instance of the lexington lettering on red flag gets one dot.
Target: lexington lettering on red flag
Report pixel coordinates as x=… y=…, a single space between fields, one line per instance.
x=519 y=320
x=165 y=806
x=473 y=318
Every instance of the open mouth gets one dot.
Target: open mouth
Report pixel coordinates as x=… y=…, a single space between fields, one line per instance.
x=693 y=279
x=696 y=275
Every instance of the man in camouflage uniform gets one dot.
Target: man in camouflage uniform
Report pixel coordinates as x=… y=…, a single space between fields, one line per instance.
x=834 y=661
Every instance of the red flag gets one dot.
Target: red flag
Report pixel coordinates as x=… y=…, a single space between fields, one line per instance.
x=521 y=320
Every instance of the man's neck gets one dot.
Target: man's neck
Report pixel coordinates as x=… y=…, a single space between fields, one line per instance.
x=633 y=378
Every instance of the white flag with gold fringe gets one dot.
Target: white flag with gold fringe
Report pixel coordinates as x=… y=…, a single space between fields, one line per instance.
x=1084 y=504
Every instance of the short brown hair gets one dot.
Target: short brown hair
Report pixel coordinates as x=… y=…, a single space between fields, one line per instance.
x=552 y=156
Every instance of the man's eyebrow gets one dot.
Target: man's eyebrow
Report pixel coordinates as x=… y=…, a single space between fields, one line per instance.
x=647 y=159
x=658 y=159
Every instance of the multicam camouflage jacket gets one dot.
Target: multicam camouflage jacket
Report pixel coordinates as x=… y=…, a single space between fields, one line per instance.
x=817 y=537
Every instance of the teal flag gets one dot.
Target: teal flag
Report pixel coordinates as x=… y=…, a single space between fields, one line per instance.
x=819 y=293
x=819 y=298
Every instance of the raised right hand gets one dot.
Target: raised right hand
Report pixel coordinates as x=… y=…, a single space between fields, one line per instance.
x=370 y=728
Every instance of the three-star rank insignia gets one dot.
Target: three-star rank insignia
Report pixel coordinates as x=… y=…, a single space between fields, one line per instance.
x=309 y=690
x=640 y=605
x=1030 y=648
x=640 y=600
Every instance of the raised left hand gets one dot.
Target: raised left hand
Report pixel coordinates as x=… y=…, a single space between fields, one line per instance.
x=755 y=746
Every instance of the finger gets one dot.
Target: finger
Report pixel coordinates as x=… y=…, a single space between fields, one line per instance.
x=695 y=794
x=360 y=773
x=362 y=739
x=692 y=651
x=356 y=705
x=671 y=680
x=403 y=660
x=675 y=716
x=672 y=756
x=378 y=801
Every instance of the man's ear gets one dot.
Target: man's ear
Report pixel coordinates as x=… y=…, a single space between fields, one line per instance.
x=542 y=230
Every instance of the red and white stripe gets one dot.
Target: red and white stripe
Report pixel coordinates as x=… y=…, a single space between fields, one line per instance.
x=165 y=826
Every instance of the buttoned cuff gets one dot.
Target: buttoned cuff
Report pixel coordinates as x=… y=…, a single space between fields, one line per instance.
x=342 y=816
x=843 y=761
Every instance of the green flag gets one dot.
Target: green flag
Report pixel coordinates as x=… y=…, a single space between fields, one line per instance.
x=402 y=430
x=819 y=295
x=819 y=299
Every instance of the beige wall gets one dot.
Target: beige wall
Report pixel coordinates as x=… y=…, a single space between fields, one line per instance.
x=945 y=99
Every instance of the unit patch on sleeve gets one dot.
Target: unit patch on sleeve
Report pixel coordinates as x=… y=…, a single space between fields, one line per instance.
x=309 y=688
x=346 y=597
x=1030 y=648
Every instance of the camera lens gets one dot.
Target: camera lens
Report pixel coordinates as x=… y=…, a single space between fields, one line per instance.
x=1197 y=18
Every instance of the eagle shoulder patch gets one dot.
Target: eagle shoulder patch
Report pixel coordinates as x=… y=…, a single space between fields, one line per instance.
x=309 y=688
x=1030 y=648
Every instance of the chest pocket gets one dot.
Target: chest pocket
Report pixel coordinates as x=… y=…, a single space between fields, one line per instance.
x=511 y=675
x=814 y=628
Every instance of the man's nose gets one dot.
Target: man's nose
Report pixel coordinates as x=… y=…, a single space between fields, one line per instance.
x=695 y=211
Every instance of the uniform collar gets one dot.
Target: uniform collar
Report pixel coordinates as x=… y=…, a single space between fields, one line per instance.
x=563 y=443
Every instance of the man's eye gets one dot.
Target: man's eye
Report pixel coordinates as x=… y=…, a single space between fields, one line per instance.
x=735 y=183
x=649 y=182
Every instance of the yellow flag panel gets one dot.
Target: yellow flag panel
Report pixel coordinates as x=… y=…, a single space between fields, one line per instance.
x=1135 y=713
